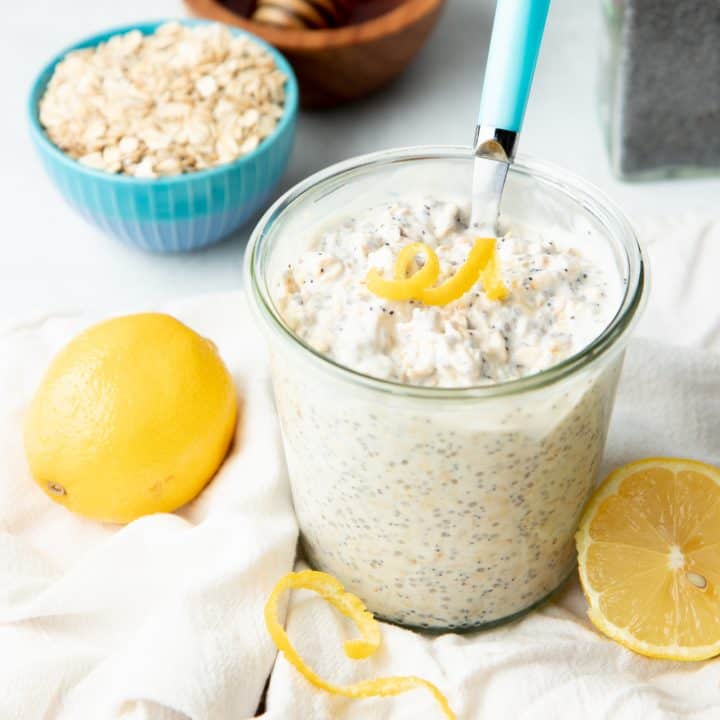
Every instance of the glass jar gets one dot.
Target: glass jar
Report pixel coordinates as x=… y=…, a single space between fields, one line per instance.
x=442 y=508
x=660 y=94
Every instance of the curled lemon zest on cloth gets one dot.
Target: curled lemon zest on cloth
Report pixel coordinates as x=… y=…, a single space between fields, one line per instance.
x=482 y=263
x=406 y=288
x=351 y=606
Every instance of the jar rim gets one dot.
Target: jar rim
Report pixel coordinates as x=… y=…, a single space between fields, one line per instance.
x=627 y=314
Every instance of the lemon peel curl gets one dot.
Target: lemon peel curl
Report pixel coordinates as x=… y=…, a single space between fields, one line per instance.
x=331 y=590
x=482 y=263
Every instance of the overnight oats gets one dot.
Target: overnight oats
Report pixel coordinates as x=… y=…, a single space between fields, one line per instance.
x=443 y=436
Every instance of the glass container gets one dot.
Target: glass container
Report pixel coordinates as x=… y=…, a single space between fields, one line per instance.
x=442 y=508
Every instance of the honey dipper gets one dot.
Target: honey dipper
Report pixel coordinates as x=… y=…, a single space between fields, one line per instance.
x=303 y=14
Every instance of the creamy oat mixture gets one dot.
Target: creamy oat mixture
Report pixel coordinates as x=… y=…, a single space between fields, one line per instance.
x=559 y=300
x=443 y=514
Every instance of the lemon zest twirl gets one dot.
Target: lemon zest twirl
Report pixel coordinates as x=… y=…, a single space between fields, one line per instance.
x=466 y=276
x=351 y=606
x=406 y=288
x=492 y=281
x=482 y=263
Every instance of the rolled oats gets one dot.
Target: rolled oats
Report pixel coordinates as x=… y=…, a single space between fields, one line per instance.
x=179 y=100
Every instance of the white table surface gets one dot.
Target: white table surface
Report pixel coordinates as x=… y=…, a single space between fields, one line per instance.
x=53 y=262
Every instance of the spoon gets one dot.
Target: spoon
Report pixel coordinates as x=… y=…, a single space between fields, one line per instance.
x=514 y=46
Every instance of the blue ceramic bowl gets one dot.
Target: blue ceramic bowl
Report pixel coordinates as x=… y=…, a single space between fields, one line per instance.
x=178 y=212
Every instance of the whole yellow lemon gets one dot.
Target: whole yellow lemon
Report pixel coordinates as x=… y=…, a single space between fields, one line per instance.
x=134 y=416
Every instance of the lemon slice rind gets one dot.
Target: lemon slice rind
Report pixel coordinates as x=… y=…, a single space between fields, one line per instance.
x=584 y=541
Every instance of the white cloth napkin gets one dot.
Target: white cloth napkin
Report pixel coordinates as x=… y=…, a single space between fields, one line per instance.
x=162 y=619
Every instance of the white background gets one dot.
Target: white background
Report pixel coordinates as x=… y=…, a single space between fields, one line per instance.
x=53 y=262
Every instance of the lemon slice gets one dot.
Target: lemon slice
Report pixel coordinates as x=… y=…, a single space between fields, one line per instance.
x=649 y=558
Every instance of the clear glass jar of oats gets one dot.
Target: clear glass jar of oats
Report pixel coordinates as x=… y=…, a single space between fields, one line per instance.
x=445 y=492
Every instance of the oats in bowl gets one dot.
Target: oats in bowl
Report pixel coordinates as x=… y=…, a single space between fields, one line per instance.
x=192 y=144
x=182 y=99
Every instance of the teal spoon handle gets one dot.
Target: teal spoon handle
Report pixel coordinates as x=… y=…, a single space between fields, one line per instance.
x=517 y=33
x=514 y=46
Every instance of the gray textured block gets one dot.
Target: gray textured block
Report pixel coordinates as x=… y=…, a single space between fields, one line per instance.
x=667 y=112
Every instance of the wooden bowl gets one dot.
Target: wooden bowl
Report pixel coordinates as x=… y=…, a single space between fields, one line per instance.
x=338 y=65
